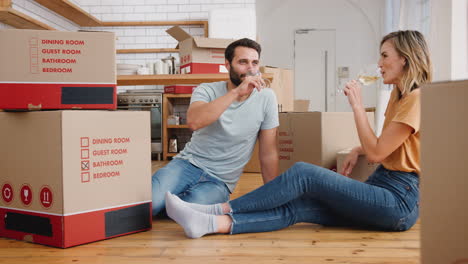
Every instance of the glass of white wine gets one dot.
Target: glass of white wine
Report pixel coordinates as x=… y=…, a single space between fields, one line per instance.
x=369 y=74
x=265 y=80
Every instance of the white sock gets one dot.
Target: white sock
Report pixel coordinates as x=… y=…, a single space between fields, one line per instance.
x=214 y=209
x=195 y=224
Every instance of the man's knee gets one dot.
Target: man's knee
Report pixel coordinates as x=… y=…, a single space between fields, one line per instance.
x=208 y=193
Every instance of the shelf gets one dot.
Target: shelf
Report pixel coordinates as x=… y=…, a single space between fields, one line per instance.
x=120 y=51
x=152 y=23
x=170 y=154
x=177 y=126
x=170 y=95
x=71 y=11
x=17 y=19
x=168 y=79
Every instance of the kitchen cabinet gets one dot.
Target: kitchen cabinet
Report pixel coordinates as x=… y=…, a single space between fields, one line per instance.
x=181 y=131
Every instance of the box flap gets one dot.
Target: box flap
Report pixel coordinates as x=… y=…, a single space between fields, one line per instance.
x=178 y=33
x=212 y=43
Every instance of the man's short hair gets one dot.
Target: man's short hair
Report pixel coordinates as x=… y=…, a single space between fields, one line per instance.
x=245 y=42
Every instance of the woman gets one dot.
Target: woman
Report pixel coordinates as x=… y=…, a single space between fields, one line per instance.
x=388 y=200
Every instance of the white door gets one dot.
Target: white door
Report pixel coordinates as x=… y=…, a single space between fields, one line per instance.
x=314 y=68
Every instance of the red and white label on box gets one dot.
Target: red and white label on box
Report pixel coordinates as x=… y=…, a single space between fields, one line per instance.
x=7 y=193
x=46 y=197
x=26 y=194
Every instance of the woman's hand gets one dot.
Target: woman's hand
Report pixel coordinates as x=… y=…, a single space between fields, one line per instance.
x=349 y=163
x=353 y=91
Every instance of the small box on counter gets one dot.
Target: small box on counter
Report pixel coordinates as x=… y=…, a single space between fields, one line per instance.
x=283 y=86
x=179 y=89
x=199 y=54
x=363 y=168
x=74 y=177
x=444 y=166
x=44 y=69
x=316 y=137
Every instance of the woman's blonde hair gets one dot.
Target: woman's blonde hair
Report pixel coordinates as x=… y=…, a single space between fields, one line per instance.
x=411 y=45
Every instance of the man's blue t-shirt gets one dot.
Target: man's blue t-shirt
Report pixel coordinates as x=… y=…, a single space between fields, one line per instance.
x=224 y=147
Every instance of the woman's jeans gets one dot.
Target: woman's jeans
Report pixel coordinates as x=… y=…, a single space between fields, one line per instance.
x=388 y=200
x=189 y=182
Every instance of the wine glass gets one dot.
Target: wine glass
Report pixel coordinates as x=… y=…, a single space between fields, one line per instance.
x=369 y=74
x=265 y=80
x=26 y=194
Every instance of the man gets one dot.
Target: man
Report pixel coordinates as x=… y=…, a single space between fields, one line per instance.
x=226 y=117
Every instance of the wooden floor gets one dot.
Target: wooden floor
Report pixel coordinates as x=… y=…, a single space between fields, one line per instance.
x=166 y=243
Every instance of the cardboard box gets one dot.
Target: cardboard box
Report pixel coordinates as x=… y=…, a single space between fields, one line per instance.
x=45 y=69
x=74 y=177
x=283 y=86
x=363 y=168
x=444 y=166
x=316 y=137
x=199 y=54
x=301 y=105
x=179 y=89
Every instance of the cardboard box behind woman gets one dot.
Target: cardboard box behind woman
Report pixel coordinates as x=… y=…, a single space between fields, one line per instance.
x=444 y=169
x=74 y=177
x=316 y=137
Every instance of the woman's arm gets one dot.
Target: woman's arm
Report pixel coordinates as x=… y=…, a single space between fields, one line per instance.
x=375 y=148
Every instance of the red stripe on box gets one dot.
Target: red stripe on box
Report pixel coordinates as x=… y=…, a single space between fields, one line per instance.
x=90 y=226
x=179 y=89
x=34 y=96
x=196 y=68
x=55 y=220
x=70 y=230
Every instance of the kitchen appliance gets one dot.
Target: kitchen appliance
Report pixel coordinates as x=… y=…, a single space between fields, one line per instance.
x=146 y=100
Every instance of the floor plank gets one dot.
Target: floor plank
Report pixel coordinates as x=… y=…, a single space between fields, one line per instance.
x=166 y=243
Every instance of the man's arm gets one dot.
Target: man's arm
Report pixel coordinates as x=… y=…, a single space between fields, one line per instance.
x=268 y=153
x=201 y=114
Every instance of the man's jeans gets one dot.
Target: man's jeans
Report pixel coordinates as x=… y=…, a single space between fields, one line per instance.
x=388 y=200
x=190 y=183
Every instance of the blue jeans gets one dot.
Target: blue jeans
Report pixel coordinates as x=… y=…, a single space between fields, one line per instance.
x=189 y=182
x=388 y=200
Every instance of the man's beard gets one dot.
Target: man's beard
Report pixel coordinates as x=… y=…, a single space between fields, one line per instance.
x=235 y=77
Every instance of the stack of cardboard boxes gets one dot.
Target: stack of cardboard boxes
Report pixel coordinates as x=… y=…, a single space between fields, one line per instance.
x=68 y=177
x=198 y=55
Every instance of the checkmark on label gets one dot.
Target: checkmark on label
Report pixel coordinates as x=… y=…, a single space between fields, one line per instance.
x=85 y=165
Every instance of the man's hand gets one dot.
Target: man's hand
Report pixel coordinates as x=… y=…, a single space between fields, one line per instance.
x=248 y=84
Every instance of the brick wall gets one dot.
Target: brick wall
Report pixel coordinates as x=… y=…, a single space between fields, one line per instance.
x=38 y=12
x=152 y=10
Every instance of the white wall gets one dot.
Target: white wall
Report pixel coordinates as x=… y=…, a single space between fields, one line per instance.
x=448 y=39
x=358 y=26
x=459 y=39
